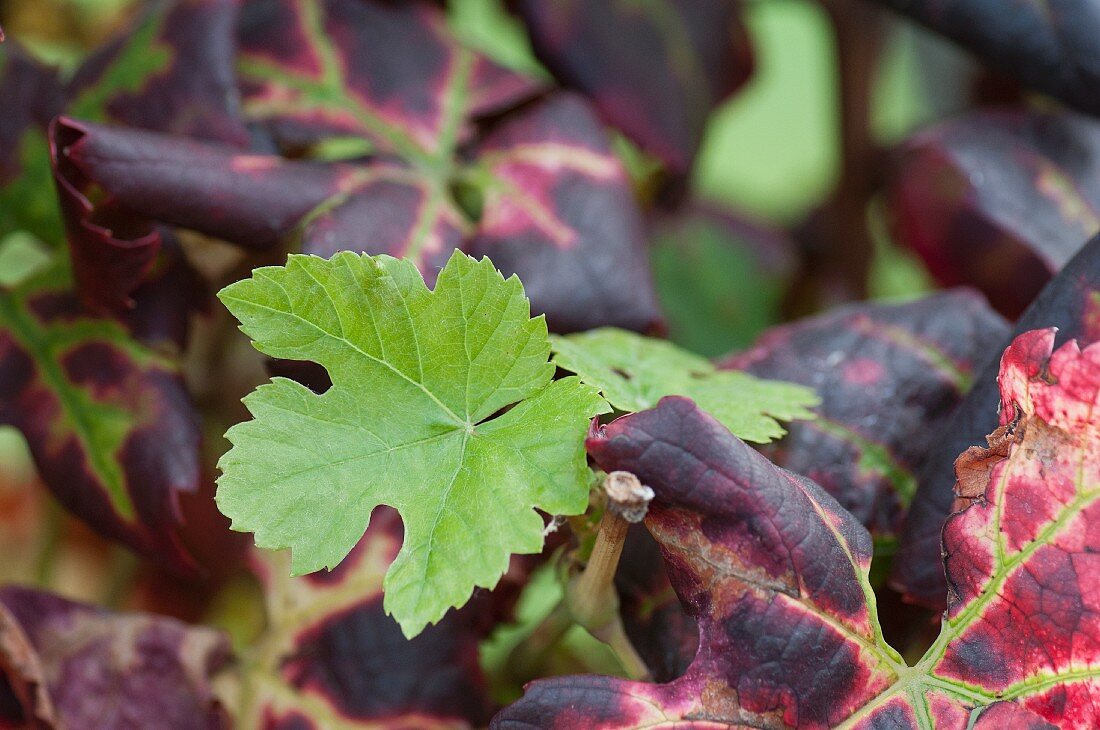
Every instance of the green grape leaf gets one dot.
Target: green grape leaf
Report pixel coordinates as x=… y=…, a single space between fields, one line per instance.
x=634 y=372
x=412 y=420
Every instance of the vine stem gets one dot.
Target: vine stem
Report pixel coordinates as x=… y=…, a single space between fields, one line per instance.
x=591 y=596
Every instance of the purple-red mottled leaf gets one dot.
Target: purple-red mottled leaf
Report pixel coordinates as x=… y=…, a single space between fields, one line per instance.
x=557 y=206
x=999 y=200
x=76 y=666
x=1071 y=302
x=108 y=420
x=771 y=567
x=389 y=72
x=775 y=572
x=332 y=656
x=889 y=376
x=720 y=276
x=559 y=212
x=172 y=72
x=655 y=70
x=665 y=636
x=32 y=95
x=1050 y=45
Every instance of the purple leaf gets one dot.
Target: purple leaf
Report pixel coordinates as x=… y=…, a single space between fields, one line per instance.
x=1051 y=46
x=786 y=631
x=559 y=212
x=889 y=376
x=108 y=421
x=999 y=200
x=558 y=208
x=32 y=96
x=389 y=72
x=334 y=656
x=77 y=666
x=172 y=72
x=654 y=70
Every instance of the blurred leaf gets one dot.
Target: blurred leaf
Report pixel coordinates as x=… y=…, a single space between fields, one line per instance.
x=32 y=96
x=108 y=420
x=1052 y=47
x=21 y=255
x=330 y=655
x=720 y=278
x=70 y=665
x=655 y=70
x=999 y=200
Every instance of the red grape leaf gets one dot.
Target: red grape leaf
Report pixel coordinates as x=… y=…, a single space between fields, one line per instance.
x=889 y=376
x=557 y=209
x=332 y=656
x=1071 y=302
x=999 y=200
x=775 y=572
x=70 y=665
x=654 y=70
x=108 y=420
x=1052 y=47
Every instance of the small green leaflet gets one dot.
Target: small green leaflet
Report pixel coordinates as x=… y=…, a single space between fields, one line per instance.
x=634 y=372
x=418 y=378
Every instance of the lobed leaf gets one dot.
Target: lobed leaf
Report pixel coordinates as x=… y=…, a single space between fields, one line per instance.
x=70 y=665
x=1071 y=302
x=775 y=572
x=654 y=70
x=634 y=372
x=999 y=200
x=890 y=376
x=1051 y=47
x=417 y=378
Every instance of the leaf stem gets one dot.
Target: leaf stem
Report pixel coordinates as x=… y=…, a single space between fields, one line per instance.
x=527 y=659
x=590 y=596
